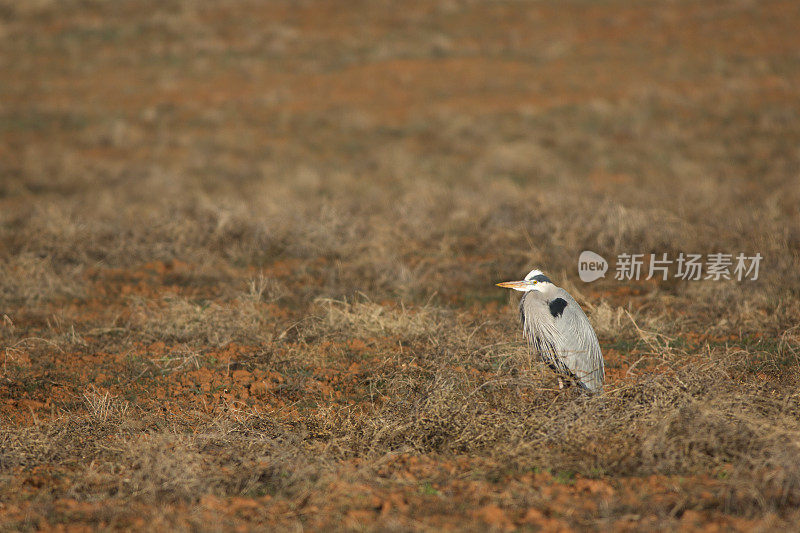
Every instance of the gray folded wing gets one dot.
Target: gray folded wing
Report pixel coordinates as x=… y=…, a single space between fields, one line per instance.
x=577 y=346
x=565 y=340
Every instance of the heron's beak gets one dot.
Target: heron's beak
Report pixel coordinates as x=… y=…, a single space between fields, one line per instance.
x=516 y=285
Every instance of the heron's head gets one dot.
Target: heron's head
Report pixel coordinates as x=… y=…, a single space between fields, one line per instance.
x=534 y=281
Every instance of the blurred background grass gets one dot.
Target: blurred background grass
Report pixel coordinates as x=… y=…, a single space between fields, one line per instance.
x=458 y=141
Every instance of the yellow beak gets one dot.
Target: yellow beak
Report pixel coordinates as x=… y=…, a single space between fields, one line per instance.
x=513 y=284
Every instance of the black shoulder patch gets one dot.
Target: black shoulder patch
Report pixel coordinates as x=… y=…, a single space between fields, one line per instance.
x=557 y=306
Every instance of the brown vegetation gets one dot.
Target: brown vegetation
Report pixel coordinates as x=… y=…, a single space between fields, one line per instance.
x=247 y=256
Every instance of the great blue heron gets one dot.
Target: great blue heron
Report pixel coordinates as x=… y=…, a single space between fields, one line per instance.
x=559 y=332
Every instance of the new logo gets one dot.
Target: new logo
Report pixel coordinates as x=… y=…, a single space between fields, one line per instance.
x=591 y=266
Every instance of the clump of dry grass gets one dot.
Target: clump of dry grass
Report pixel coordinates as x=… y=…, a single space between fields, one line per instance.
x=223 y=458
x=163 y=466
x=265 y=288
x=611 y=321
x=222 y=462
x=30 y=279
x=362 y=319
x=726 y=438
x=103 y=406
x=181 y=320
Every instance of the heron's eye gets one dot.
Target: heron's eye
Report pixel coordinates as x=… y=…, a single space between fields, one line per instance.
x=535 y=282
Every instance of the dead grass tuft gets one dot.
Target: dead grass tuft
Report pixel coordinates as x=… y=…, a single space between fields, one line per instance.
x=181 y=320
x=368 y=319
x=609 y=321
x=102 y=406
x=29 y=279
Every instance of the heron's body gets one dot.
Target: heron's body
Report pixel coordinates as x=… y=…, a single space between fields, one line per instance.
x=559 y=332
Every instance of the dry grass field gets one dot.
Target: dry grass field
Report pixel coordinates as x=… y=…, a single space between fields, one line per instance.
x=248 y=253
